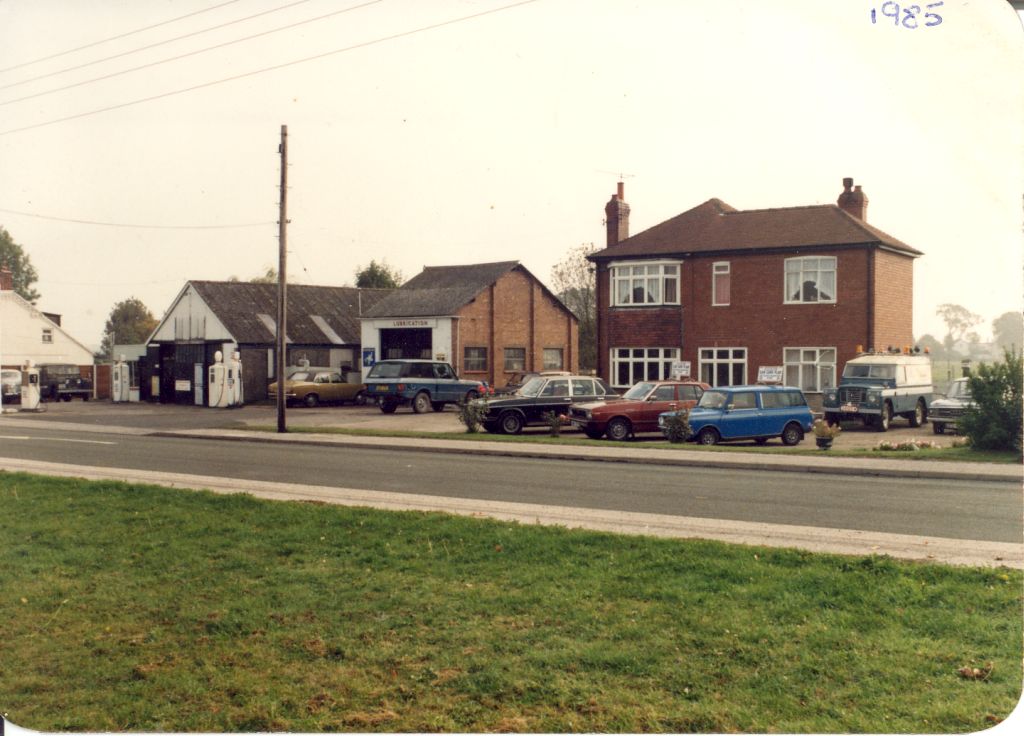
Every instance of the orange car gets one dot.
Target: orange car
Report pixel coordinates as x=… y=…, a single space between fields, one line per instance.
x=637 y=410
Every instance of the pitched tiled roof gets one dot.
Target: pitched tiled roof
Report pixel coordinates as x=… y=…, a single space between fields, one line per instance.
x=440 y=290
x=238 y=305
x=715 y=226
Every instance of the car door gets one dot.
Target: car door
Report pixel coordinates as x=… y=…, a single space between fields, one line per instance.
x=445 y=389
x=740 y=418
x=554 y=397
x=775 y=411
x=661 y=399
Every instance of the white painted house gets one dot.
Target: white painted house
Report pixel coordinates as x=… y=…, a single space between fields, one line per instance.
x=28 y=334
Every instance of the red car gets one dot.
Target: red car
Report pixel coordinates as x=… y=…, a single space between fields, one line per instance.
x=637 y=410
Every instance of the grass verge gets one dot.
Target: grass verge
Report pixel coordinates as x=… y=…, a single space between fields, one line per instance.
x=141 y=608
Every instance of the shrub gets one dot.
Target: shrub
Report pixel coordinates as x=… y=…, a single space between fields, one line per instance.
x=555 y=422
x=677 y=427
x=472 y=413
x=995 y=422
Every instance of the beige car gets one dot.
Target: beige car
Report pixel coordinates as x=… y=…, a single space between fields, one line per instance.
x=315 y=387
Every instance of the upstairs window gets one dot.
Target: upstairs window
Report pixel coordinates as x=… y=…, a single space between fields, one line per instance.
x=47 y=335
x=720 y=278
x=646 y=284
x=810 y=280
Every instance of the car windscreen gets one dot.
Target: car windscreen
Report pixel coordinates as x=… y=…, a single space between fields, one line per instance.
x=533 y=386
x=712 y=400
x=959 y=390
x=385 y=370
x=299 y=376
x=867 y=370
x=639 y=391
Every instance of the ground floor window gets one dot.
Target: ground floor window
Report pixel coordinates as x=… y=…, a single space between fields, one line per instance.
x=515 y=359
x=811 y=369
x=553 y=359
x=723 y=366
x=630 y=365
x=474 y=359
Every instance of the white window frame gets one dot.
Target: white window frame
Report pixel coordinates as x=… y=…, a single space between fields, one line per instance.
x=47 y=336
x=712 y=358
x=644 y=364
x=805 y=267
x=627 y=273
x=799 y=361
x=720 y=268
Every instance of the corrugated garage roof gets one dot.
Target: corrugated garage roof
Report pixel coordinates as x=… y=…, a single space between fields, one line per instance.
x=310 y=309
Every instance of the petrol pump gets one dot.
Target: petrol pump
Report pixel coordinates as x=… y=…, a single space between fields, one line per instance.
x=30 y=395
x=120 y=381
x=217 y=385
x=235 y=379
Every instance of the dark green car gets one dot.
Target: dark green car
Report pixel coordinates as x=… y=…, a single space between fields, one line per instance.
x=539 y=397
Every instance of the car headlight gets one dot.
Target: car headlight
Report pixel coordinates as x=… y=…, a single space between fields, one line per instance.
x=874 y=397
x=830 y=395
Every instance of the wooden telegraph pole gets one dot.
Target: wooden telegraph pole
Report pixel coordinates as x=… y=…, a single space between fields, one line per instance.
x=282 y=283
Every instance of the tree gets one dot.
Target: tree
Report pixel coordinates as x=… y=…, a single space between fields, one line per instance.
x=995 y=421
x=1008 y=330
x=378 y=276
x=130 y=322
x=575 y=284
x=14 y=257
x=958 y=321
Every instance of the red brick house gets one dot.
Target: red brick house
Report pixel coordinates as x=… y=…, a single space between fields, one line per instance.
x=729 y=291
x=489 y=320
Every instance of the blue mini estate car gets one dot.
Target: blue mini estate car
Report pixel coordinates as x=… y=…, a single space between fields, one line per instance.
x=748 y=412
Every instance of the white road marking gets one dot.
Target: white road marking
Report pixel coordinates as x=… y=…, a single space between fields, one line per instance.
x=56 y=439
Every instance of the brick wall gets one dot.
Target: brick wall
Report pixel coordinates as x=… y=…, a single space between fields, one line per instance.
x=894 y=301
x=515 y=312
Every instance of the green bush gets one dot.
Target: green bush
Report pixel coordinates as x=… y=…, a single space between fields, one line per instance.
x=555 y=422
x=677 y=427
x=995 y=422
x=472 y=413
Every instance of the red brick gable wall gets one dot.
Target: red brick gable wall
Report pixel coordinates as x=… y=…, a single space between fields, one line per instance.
x=515 y=312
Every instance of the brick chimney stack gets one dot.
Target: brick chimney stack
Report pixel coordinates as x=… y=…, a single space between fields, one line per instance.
x=6 y=279
x=616 y=217
x=853 y=200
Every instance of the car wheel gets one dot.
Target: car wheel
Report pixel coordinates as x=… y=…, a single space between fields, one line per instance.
x=938 y=428
x=792 y=435
x=917 y=418
x=471 y=395
x=67 y=398
x=388 y=406
x=311 y=400
x=619 y=429
x=421 y=403
x=593 y=434
x=359 y=399
x=511 y=422
x=437 y=405
x=708 y=436
x=85 y=397
x=885 y=418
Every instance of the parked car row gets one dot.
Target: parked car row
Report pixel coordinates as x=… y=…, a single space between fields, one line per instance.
x=714 y=414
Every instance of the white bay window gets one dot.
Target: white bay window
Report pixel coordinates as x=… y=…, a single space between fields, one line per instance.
x=645 y=284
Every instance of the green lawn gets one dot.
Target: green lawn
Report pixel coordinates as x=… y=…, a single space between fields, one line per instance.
x=129 y=607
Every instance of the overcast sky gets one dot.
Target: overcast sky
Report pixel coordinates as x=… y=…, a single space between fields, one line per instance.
x=467 y=131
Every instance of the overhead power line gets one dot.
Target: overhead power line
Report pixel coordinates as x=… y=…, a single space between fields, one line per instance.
x=190 y=53
x=364 y=44
x=137 y=225
x=114 y=38
x=153 y=46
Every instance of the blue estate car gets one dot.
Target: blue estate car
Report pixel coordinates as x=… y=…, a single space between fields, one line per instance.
x=425 y=384
x=748 y=412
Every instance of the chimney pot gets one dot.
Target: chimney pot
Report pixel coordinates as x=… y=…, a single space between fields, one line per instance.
x=621 y=190
x=854 y=202
x=616 y=217
x=847 y=183
x=6 y=279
